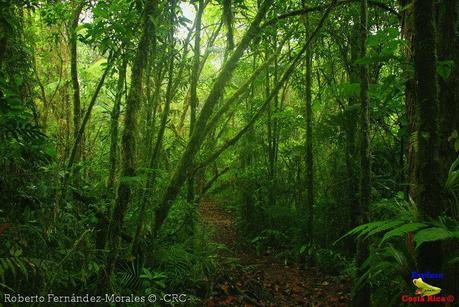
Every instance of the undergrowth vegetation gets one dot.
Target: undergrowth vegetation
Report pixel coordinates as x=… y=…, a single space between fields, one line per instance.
x=330 y=129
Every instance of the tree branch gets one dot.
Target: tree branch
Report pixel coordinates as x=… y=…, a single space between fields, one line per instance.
x=319 y=8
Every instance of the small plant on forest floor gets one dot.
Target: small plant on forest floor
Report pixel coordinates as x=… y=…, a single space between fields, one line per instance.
x=154 y=281
x=269 y=239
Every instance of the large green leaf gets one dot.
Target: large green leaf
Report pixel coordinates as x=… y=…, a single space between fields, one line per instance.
x=389 y=224
x=402 y=230
x=432 y=234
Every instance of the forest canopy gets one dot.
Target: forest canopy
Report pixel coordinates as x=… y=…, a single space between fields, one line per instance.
x=229 y=152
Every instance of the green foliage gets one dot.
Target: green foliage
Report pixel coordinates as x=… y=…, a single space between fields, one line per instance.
x=113 y=23
x=383 y=46
x=387 y=270
x=188 y=269
x=330 y=261
x=54 y=220
x=452 y=182
x=155 y=281
x=269 y=238
x=443 y=229
x=444 y=69
x=393 y=258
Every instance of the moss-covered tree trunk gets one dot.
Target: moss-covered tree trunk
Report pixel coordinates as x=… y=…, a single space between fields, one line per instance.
x=194 y=85
x=182 y=170
x=410 y=96
x=362 y=295
x=77 y=8
x=114 y=126
x=228 y=20
x=155 y=154
x=128 y=143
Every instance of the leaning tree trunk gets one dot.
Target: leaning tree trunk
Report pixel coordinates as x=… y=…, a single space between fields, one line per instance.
x=104 y=213
x=428 y=189
x=362 y=295
x=197 y=137
x=194 y=85
x=128 y=144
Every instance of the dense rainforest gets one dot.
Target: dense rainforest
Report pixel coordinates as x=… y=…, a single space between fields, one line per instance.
x=229 y=152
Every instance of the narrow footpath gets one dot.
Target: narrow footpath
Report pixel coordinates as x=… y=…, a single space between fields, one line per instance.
x=248 y=279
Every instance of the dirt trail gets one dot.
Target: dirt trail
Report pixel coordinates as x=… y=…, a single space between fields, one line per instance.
x=261 y=280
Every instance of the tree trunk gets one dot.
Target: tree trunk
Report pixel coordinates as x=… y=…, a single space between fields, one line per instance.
x=128 y=142
x=194 y=85
x=428 y=185
x=350 y=131
x=87 y=115
x=410 y=97
x=114 y=125
x=269 y=126
x=155 y=154
x=277 y=87
x=448 y=44
x=228 y=19
x=362 y=295
x=74 y=76
x=309 y=180
x=196 y=139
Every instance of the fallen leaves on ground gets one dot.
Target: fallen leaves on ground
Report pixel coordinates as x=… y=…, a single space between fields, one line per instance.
x=259 y=280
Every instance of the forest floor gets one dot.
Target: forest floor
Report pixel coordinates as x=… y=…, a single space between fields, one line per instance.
x=261 y=280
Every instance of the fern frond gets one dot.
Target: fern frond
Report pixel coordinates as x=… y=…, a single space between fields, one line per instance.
x=370 y=229
x=402 y=230
x=434 y=234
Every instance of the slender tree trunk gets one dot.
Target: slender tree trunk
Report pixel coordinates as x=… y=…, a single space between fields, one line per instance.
x=79 y=135
x=114 y=125
x=272 y=124
x=152 y=96
x=194 y=85
x=152 y=109
x=362 y=295
x=309 y=180
x=269 y=126
x=74 y=76
x=352 y=187
x=128 y=144
x=228 y=19
x=103 y=218
x=428 y=177
x=246 y=159
x=155 y=155
x=410 y=97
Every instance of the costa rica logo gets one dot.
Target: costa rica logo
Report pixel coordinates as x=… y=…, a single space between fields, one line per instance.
x=424 y=289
